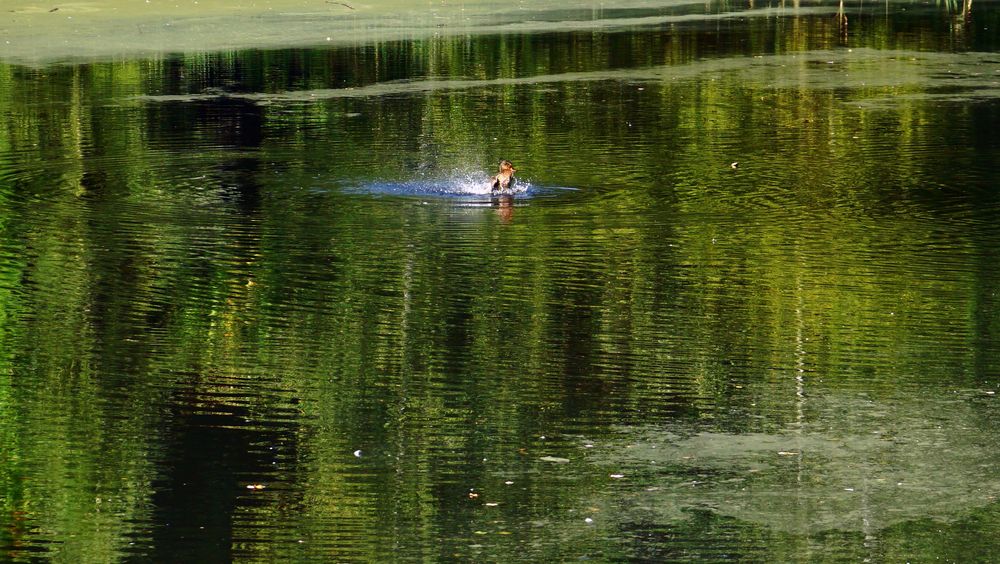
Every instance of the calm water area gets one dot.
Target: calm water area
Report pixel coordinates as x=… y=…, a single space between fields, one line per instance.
x=258 y=305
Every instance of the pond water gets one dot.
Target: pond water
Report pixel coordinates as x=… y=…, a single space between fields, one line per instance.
x=259 y=305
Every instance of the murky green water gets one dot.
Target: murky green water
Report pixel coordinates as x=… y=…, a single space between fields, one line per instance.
x=259 y=306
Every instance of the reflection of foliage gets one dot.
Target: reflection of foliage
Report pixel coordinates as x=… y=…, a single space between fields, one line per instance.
x=184 y=274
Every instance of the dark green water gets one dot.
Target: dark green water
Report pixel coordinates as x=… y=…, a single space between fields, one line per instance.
x=256 y=306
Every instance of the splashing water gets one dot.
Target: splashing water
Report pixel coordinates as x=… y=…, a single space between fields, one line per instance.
x=457 y=184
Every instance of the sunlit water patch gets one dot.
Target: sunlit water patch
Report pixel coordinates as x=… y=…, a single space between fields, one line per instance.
x=863 y=76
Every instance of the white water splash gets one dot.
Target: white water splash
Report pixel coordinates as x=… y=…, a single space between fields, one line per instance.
x=456 y=184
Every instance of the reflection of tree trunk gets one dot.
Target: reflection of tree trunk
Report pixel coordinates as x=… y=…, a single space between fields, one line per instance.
x=842 y=20
x=961 y=20
x=800 y=396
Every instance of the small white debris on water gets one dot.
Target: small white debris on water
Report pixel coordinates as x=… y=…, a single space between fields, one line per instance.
x=588 y=520
x=617 y=476
x=357 y=453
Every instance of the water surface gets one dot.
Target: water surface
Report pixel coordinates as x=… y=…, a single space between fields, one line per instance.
x=258 y=304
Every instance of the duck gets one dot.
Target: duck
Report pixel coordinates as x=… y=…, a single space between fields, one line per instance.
x=503 y=183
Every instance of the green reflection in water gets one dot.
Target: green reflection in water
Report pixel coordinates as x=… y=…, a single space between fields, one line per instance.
x=200 y=295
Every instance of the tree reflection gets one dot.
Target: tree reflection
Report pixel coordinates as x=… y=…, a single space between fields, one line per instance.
x=190 y=303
